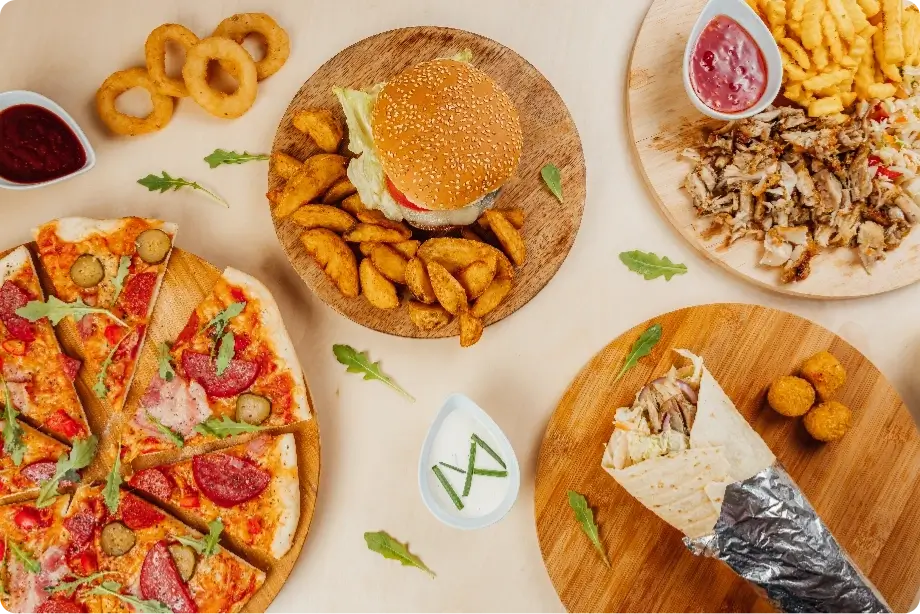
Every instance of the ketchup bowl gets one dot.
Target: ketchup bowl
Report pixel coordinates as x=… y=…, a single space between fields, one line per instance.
x=732 y=66
x=40 y=143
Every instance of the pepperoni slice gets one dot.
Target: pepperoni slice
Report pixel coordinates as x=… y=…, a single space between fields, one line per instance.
x=58 y=603
x=61 y=423
x=137 y=513
x=39 y=472
x=71 y=366
x=138 y=292
x=237 y=378
x=228 y=480
x=160 y=580
x=153 y=481
x=12 y=297
x=81 y=528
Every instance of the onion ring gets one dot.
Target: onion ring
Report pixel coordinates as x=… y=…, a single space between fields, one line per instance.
x=277 y=43
x=195 y=73
x=155 y=55
x=117 y=84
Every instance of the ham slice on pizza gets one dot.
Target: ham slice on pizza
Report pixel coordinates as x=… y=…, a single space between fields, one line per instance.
x=36 y=374
x=106 y=275
x=232 y=370
x=253 y=488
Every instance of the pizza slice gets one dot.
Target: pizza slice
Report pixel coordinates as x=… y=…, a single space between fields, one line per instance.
x=149 y=560
x=106 y=275
x=37 y=374
x=253 y=488
x=232 y=370
x=31 y=462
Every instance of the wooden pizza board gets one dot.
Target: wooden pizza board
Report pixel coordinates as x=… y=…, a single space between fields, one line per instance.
x=549 y=136
x=188 y=281
x=663 y=122
x=866 y=486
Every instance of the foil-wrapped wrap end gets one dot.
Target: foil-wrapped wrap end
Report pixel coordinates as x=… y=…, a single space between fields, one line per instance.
x=770 y=535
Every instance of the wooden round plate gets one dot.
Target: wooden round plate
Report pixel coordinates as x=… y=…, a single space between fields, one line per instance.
x=549 y=136
x=663 y=122
x=866 y=487
x=188 y=281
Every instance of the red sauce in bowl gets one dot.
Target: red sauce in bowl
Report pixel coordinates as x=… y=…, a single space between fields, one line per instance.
x=727 y=69
x=37 y=146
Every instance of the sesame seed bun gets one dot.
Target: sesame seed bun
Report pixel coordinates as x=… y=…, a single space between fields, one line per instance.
x=447 y=135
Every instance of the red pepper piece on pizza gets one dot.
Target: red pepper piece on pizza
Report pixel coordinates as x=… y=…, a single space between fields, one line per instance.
x=253 y=488
x=232 y=370
x=106 y=276
x=37 y=374
x=149 y=558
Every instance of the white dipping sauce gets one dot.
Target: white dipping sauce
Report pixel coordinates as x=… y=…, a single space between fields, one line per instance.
x=451 y=445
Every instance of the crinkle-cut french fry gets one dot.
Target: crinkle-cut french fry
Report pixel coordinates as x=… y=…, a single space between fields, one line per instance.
x=870 y=7
x=883 y=62
x=832 y=36
x=842 y=20
x=796 y=52
x=794 y=72
x=826 y=80
x=893 y=11
x=825 y=106
x=882 y=90
x=812 y=36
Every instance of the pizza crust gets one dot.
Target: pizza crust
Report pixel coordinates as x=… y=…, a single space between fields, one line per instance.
x=287 y=489
x=14 y=262
x=74 y=229
x=278 y=335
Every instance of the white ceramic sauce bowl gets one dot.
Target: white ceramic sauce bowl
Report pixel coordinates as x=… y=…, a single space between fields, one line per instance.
x=750 y=21
x=447 y=513
x=17 y=97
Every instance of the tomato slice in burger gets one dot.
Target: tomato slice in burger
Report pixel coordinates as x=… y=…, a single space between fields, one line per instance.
x=400 y=198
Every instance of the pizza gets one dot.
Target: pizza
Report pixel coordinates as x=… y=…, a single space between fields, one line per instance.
x=108 y=274
x=231 y=370
x=37 y=374
x=79 y=556
x=39 y=456
x=253 y=488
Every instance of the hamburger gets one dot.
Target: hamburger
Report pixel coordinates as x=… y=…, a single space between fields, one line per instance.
x=434 y=145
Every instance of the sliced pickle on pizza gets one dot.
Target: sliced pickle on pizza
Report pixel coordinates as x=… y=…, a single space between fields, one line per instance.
x=150 y=561
x=231 y=371
x=253 y=488
x=106 y=276
x=36 y=377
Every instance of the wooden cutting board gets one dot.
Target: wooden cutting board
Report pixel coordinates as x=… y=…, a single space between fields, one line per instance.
x=549 y=136
x=188 y=281
x=866 y=486
x=663 y=122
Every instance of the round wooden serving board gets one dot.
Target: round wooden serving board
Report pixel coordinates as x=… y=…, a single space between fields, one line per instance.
x=549 y=136
x=188 y=281
x=866 y=487
x=663 y=122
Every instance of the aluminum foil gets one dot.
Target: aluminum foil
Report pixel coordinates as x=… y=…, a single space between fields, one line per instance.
x=770 y=535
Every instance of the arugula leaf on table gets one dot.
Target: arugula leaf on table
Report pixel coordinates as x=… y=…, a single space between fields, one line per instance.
x=12 y=430
x=166 y=371
x=359 y=362
x=209 y=544
x=585 y=518
x=164 y=183
x=166 y=431
x=123 y=268
x=225 y=427
x=553 y=179
x=641 y=348
x=81 y=455
x=651 y=266
x=390 y=548
x=222 y=156
x=147 y=606
x=56 y=310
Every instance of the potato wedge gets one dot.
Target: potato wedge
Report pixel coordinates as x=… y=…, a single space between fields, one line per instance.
x=343 y=188
x=321 y=126
x=428 y=317
x=450 y=293
x=508 y=236
x=407 y=248
x=274 y=196
x=476 y=278
x=389 y=262
x=314 y=179
x=456 y=254
x=372 y=216
x=284 y=165
x=515 y=216
x=337 y=260
x=491 y=298
x=504 y=268
x=353 y=204
x=323 y=216
x=418 y=281
x=371 y=233
x=470 y=329
x=377 y=289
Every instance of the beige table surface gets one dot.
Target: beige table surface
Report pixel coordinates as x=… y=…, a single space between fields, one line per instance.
x=370 y=436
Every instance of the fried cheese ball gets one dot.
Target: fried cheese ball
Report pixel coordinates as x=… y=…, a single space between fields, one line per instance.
x=791 y=396
x=828 y=421
x=825 y=373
